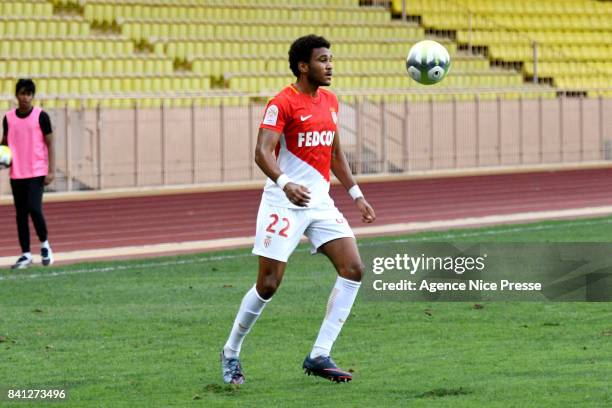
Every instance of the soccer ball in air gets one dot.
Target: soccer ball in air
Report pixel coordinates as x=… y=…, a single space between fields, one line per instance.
x=428 y=62
x=5 y=157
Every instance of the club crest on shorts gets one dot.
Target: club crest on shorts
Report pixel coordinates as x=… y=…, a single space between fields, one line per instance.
x=340 y=220
x=267 y=241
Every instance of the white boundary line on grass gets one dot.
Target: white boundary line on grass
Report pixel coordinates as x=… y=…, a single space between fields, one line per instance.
x=494 y=231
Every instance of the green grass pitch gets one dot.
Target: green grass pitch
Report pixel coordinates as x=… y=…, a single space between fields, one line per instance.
x=147 y=333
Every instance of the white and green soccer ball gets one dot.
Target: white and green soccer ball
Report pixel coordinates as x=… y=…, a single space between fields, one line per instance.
x=428 y=62
x=5 y=157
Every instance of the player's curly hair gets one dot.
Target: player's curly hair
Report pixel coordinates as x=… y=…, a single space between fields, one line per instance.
x=26 y=84
x=301 y=50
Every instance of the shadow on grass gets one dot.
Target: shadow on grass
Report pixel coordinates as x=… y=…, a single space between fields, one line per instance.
x=225 y=389
x=444 y=392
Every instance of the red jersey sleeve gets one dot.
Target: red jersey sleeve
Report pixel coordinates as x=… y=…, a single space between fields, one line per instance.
x=276 y=114
x=337 y=104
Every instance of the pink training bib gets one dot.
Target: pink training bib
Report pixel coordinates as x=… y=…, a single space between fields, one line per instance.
x=27 y=143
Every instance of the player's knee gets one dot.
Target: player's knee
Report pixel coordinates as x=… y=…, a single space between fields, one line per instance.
x=353 y=271
x=267 y=287
x=34 y=210
x=22 y=214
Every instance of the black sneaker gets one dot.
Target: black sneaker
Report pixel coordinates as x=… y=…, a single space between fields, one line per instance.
x=22 y=263
x=232 y=370
x=324 y=366
x=47 y=256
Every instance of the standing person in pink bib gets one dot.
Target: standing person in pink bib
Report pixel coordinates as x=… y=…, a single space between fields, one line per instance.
x=28 y=133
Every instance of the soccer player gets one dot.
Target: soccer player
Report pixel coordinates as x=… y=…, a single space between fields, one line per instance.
x=28 y=133
x=297 y=146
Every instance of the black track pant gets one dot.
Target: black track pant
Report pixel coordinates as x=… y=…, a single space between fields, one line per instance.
x=27 y=196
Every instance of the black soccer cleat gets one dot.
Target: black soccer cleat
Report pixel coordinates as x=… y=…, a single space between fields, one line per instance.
x=324 y=366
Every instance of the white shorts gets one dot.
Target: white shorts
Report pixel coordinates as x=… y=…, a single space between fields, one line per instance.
x=280 y=229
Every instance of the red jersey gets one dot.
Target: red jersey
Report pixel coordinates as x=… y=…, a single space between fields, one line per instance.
x=307 y=126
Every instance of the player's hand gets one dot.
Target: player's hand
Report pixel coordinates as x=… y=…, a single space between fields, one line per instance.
x=366 y=210
x=297 y=194
x=49 y=178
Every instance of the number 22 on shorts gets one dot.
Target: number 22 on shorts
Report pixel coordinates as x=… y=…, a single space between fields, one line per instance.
x=283 y=231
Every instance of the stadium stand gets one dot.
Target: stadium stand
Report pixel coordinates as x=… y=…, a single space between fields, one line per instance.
x=94 y=59
x=368 y=45
x=573 y=37
x=77 y=49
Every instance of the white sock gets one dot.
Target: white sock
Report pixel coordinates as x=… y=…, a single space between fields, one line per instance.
x=45 y=244
x=250 y=309
x=338 y=309
x=27 y=255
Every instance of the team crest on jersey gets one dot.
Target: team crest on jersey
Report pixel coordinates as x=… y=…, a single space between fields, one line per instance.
x=267 y=241
x=271 y=115
x=334 y=116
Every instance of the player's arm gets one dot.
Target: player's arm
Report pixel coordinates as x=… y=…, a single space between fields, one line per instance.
x=51 y=173
x=4 y=132
x=266 y=160
x=45 y=126
x=342 y=170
